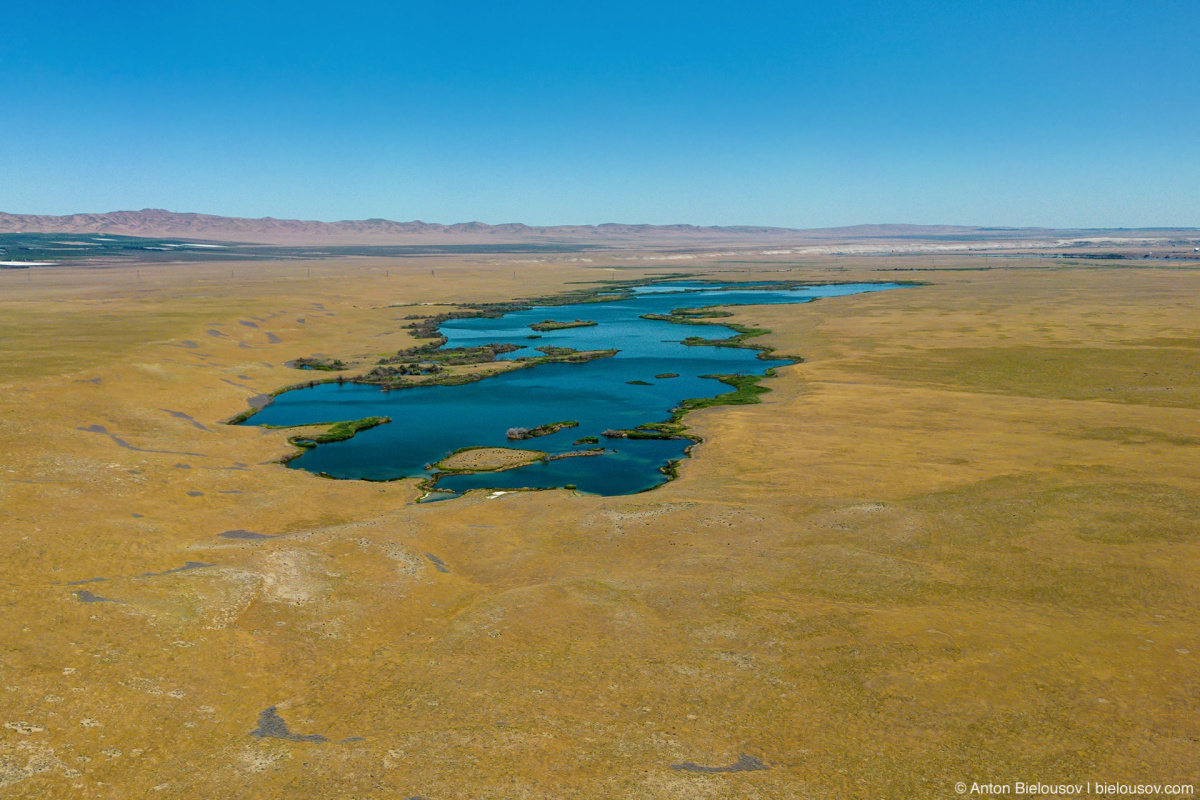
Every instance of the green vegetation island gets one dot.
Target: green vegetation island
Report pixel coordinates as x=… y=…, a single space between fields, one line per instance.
x=517 y=434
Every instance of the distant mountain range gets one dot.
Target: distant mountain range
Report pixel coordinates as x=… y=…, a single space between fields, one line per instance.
x=159 y=223
x=267 y=230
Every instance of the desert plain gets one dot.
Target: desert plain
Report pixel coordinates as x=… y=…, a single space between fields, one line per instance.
x=958 y=542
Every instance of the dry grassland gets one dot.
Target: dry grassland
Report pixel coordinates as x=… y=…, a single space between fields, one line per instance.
x=485 y=459
x=959 y=542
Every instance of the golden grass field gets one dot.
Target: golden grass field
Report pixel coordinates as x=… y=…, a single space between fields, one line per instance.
x=958 y=543
x=490 y=458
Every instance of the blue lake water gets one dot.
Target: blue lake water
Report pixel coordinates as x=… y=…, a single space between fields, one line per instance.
x=430 y=422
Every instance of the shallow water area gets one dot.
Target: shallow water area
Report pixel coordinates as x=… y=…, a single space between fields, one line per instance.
x=430 y=422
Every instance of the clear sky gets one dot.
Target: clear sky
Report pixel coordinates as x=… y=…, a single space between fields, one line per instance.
x=1008 y=112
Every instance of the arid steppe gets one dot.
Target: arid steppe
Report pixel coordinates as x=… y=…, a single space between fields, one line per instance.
x=959 y=542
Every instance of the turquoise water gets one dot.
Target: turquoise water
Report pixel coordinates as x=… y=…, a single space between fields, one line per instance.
x=430 y=422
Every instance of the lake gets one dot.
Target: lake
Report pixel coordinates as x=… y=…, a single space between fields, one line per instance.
x=430 y=422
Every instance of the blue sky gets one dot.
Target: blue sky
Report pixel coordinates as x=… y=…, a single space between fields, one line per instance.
x=791 y=113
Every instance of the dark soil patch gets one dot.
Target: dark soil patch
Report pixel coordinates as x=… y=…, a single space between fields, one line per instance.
x=272 y=725
x=189 y=565
x=744 y=763
x=85 y=596
x=438 y=564
x=243 y=534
